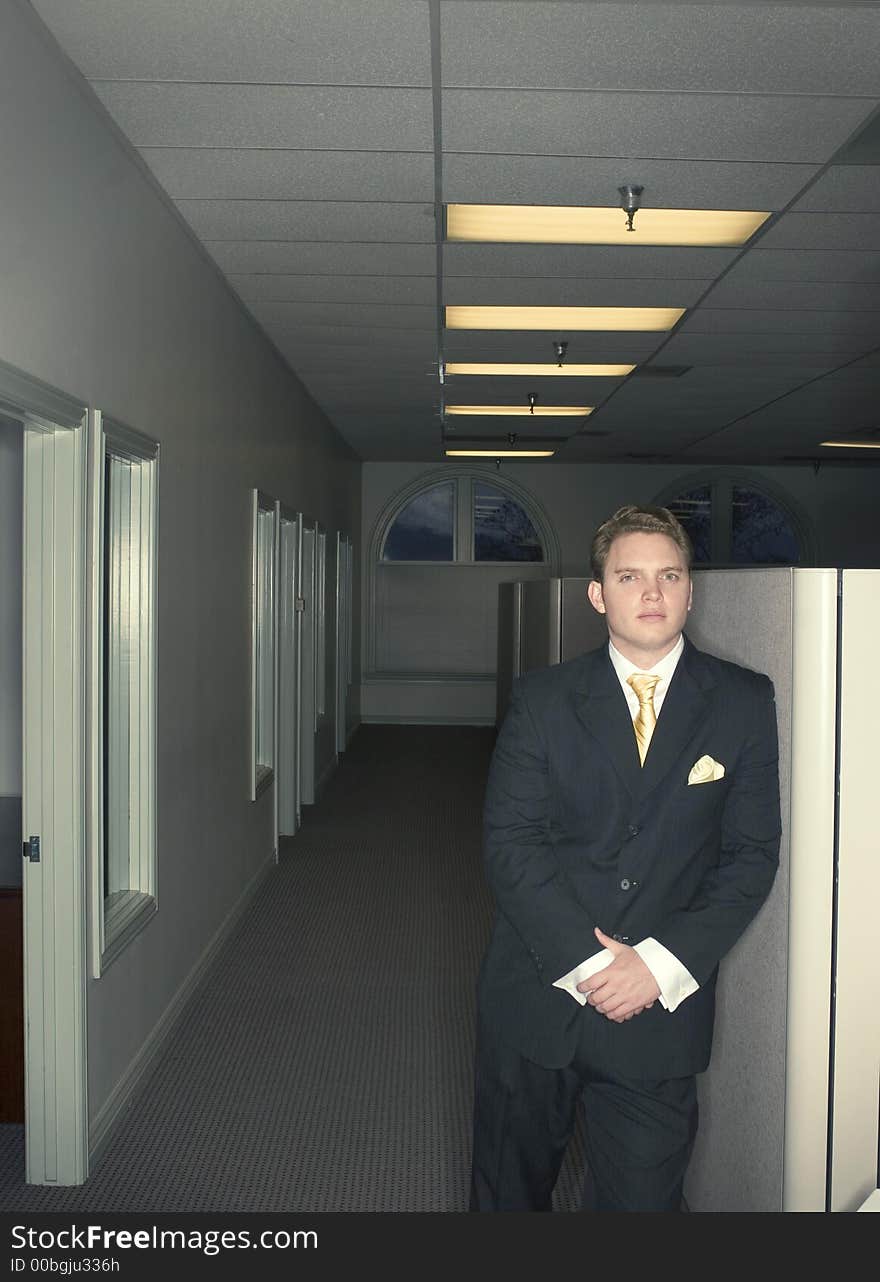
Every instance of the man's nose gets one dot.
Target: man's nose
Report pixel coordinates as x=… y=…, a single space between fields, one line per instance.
x=652 y=591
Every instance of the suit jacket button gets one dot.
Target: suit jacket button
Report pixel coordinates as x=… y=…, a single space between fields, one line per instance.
x=617 y=938
x=633 y=830
x=625 y=883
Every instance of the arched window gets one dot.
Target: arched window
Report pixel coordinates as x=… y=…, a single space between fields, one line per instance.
x=465 y=519
x=439 y=549
x=424 y=529
x=736 y=521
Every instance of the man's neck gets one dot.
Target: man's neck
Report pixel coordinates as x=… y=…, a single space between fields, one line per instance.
x=644 y=660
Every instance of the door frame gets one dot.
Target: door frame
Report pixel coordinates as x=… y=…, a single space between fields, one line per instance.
x=289 y=640
x=54 y=774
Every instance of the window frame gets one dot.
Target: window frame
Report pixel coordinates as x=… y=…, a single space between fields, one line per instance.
x=463 y=524
x=721 y=485
x=264 y=640
x=114 y=926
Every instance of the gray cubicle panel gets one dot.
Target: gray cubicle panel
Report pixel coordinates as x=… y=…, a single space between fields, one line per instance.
x=746 y=616
x=542 y=622
x=509 y=659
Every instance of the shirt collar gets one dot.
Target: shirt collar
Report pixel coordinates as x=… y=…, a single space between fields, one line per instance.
x=664 y=669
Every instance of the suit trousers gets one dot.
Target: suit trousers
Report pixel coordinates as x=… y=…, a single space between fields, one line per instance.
x=639 y=1133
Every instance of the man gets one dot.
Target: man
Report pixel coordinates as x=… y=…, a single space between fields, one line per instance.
x=632 y=832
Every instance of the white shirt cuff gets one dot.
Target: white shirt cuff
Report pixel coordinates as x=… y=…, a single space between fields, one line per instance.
x=587 y=968
x=674 y=980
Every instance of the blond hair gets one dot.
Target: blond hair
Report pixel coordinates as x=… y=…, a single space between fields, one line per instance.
x=632 y=519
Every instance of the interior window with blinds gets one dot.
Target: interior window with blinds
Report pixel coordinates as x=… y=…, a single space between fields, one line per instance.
x=128 y=695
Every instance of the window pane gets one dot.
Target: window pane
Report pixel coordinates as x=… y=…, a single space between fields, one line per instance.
x=760 y=531
x=694 y=510
x=502 y=531
x=423 y=530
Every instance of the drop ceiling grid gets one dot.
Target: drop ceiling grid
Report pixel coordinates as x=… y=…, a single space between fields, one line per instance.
x=514 y=178
x=332 y=103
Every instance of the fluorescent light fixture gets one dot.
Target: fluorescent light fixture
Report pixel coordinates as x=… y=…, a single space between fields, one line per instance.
x=640 y=319
x=500 y=453
x=537 y=370
x=544 y=411
x=600 y=225
x=852 y=445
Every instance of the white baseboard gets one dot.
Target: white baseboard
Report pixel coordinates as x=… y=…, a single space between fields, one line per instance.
x=123 y=1093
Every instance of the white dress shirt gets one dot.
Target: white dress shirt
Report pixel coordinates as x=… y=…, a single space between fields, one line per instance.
x=673 y=978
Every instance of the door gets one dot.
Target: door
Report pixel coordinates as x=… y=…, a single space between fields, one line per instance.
x=343 y=637
x=308 y=718
x=289 y=699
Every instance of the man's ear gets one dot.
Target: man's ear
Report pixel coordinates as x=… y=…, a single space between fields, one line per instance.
x=594 y=595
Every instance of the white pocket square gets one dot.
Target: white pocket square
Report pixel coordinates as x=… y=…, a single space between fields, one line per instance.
x=706 y=770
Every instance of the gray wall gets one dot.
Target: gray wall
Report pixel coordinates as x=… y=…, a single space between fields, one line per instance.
x=107 y=297
x=836 y=505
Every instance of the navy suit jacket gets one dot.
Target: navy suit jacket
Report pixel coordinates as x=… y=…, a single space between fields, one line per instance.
x=578 y=834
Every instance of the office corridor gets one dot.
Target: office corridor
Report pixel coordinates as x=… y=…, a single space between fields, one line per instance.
x=324 y=1064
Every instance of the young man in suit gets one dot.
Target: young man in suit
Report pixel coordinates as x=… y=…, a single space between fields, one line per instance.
x=631 y=832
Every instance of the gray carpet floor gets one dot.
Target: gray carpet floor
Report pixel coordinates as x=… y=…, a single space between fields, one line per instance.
x=325 y=1062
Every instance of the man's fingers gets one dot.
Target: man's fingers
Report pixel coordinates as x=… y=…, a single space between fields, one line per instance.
x=598 y=980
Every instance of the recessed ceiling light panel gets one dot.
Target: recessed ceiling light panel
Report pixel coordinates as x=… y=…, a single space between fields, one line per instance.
x=600 y=225
x=500 y=453
x=536 y=369
x=637 y=319
x=537 y=411
x=852 y=445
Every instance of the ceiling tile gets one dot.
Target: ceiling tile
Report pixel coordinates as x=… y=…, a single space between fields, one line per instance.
x=336 y=289
x=844 y=189
x=279 y=316
x=384 y=42
x=679 y=126
x=573 y=180
x=316 y=117
x=565 y=261
x=523 y=345
x=573 y=292
x=312 y=257
x=737 y=48
x=308 y=220
x=709 y=320
x=691 y=348
x=248 y=174
x=808 y=265
x=824 y=231
x=809 y=295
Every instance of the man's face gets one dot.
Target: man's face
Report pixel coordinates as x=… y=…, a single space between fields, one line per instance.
x=645 y=595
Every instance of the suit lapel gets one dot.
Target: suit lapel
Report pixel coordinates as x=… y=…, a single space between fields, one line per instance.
x=602 y=708
x=684 y=709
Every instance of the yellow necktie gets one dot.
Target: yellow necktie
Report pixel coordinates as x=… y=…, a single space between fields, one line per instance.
x=646 y=718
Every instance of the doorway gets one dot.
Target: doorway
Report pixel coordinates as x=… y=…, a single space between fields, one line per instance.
x=11 y=939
